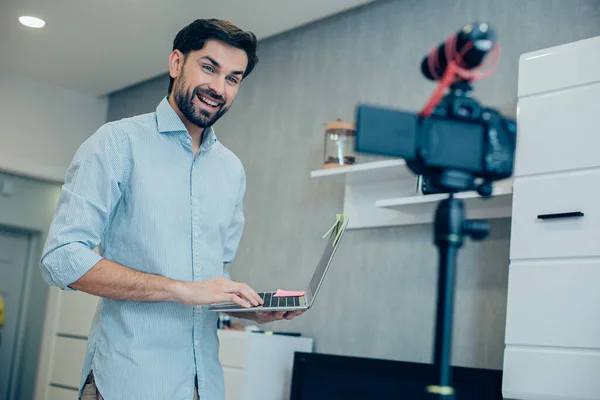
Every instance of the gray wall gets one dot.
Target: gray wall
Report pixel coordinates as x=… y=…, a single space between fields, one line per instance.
x=30 y=208
x=382 y=283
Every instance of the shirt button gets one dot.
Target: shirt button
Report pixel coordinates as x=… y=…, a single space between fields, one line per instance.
x=196 y=235
x=196 y=342
x=195 y=202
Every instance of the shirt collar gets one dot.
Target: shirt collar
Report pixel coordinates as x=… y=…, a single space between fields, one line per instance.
x=209 y=138
x=168 y=121
x=167 y=118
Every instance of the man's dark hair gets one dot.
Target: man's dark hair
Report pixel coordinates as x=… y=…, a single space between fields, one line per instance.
x=194 y=36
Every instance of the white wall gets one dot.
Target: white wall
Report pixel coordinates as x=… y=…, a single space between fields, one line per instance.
x=42 y=126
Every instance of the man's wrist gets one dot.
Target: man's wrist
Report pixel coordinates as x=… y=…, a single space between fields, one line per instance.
x=176 y=291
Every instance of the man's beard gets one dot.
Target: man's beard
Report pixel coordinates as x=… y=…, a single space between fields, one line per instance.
x=201 y=118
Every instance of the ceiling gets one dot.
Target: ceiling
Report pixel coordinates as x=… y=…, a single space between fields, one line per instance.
x=97 y=47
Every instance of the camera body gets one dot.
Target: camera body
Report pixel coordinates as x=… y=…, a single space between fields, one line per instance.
x=461 y=146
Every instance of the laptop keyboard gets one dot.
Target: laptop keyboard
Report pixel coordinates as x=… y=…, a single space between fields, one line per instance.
x=271 y=301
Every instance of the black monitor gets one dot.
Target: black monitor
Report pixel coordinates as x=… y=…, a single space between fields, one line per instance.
x=329 y=377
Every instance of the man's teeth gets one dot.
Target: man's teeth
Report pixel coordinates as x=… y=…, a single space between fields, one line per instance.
x=208 y=101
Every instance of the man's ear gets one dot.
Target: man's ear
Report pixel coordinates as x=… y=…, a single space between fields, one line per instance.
x=176 y=61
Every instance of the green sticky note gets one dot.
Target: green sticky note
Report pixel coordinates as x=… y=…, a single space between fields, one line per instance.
x=338 y=218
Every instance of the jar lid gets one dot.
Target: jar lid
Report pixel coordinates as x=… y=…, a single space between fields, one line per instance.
x=348 y=126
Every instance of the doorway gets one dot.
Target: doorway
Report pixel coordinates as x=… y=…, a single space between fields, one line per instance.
x=14 y=251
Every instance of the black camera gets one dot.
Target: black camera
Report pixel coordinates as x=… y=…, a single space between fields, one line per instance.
x=460 y=146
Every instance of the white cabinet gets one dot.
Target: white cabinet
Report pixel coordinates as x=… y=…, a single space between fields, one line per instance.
x=553 y=323
x=69 y=355
x=69 y=320
x=57 y=393
x=76 y=313
x=259 y=366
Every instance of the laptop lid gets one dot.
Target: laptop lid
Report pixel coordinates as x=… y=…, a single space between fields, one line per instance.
x=330 y=247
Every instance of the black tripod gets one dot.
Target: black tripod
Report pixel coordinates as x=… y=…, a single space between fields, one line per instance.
x=449 y=229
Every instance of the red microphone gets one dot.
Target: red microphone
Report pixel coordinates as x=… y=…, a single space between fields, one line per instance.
x=468 y=48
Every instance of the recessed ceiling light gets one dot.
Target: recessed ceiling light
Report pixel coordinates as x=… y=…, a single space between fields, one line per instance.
x=32 y=22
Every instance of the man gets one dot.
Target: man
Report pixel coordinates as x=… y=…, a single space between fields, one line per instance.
x=162 y=198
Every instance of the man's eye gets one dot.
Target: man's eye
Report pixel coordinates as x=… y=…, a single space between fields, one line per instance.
x=232 y=80
x=209 y=68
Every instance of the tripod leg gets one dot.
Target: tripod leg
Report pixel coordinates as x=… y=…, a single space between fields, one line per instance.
x=444 y=317
x=448 y=230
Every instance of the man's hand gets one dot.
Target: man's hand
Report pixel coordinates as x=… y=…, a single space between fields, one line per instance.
x=217 y=290
x=263 y=317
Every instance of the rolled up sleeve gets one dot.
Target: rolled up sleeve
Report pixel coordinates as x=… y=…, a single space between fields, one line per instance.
x=93 y=187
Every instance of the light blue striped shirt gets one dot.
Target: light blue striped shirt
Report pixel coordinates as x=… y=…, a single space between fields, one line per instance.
x=135 y=188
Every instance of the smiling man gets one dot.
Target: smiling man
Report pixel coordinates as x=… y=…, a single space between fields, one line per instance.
x=162 y=198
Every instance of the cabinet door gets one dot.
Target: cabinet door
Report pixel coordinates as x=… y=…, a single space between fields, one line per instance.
x=546 y=223
x=76 y=312
x=536 y=373
x=554 y=303
x=57 y=393
x=69 y=355
x=232 y=348
x=558 y=131
x=234 y=383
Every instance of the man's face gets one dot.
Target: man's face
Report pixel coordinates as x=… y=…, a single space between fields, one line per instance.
x=207 y=82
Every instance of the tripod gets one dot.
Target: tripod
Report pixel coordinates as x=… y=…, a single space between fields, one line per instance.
x=449 y=228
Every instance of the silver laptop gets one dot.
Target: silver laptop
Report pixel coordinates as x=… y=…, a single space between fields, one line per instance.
x=291 y=303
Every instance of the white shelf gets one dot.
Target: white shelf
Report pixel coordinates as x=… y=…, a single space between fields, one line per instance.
x=376 y=171
x=384 y=193
x=421 y=209
x=470 y=198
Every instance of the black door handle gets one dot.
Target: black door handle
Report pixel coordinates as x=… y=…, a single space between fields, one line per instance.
x=574 y=214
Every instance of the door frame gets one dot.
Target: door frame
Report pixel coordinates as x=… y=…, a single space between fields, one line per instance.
x=33 y=242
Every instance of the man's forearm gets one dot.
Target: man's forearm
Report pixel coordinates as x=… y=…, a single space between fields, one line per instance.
x=111 y=280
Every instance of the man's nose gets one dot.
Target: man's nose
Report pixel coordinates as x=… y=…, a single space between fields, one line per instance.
x=217 y=86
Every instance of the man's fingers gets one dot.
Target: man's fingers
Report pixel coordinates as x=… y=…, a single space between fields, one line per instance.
x=270 y=316
x=238 y=300
x=241 y=290
x=293 y=314
x=263 y=317
x=251 y=295
x=247 y=292
x=254 y=295
x=235 y=314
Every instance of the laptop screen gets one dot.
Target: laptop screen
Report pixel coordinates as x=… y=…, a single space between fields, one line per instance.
x=325 y=260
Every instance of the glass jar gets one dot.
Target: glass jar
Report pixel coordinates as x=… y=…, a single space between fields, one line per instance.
x=340 y=138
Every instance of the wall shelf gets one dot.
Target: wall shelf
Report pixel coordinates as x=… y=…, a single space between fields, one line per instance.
x=386 y=170
x=470 y=199
x=421 y=208
x=384 y=193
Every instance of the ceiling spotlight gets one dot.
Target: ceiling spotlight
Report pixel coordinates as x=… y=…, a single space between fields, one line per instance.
x=32 y=22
